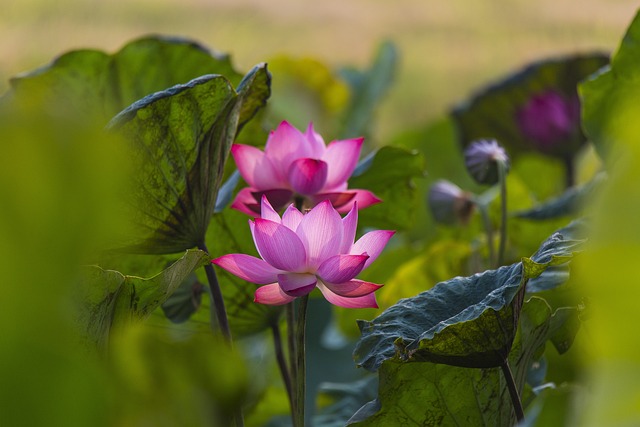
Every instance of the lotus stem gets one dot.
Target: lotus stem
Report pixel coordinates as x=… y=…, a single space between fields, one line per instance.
x=300 y=377
x=282 y=362
x=513 y=391
x=502 y=175
x=217 y=300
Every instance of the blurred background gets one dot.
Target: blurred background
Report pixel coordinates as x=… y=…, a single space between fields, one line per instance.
x=448 y=49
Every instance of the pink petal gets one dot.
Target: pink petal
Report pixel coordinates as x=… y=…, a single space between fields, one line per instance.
x=342 y=158
x=255 y=168
x=297 y=284
x=372 y=244
x=278 y=197
x=349 y=226
x=320 y=231
x=271 y=295
x=284 y=145
x=364 y=198
x=248 y=268
x=267 y=211
x=291 y=218
x=337 y=199
x=341 y=268
x=307 y=176
x=318 y=148
x=352 y=288
x=278 y=245
x=246 y=203
x=366 y=301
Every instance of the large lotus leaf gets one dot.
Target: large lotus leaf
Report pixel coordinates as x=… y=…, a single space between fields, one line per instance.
x=466 y=321
x=180 y=139
x=390 y=173
x=109 y=299
x=367 y=89
x=492 y=113
x=424 y=393
x=91 y=83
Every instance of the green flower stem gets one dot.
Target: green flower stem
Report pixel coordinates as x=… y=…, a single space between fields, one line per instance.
x=300 y=377
x=502 y=175
x=217 y=303
x=486 y=221
x=282 y=361
x=217 y=299
x=289 y=311
x=513 y=391
x=569 y=171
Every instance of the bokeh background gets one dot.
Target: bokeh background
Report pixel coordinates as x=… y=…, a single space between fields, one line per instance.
x=448 y=48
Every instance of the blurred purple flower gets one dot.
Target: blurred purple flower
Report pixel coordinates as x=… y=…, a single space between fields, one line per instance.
x=551 y=122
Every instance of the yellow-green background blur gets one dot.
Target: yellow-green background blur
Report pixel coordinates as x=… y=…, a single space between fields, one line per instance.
x=449 y=48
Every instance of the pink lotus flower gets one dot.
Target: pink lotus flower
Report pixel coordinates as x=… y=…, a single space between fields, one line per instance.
x=296 y=166
x=302 y=252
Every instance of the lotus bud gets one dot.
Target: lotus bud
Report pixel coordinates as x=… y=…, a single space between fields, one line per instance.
x=449 y=204
x=482 y=160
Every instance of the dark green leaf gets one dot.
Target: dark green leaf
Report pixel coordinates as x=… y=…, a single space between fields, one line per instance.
x=423 y=393
x=391 y=176
x=346 y=398
x=109 y=299
x=466 y=321
x=492 y=112
x=367 y=89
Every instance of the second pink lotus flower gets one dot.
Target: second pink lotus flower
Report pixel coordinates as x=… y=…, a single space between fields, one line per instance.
x=299 y=167
x=301 y=252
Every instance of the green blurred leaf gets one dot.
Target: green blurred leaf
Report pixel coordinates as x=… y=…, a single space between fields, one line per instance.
x=156 y=380
x=491 y=113
x=367 y=90
x=306 y=89
x=96 y=85
x=391 y=176
x=109 y=299
x=416 y=393
x=345 y=399
x=466 y=321
x=181 y=139
x=569 y=203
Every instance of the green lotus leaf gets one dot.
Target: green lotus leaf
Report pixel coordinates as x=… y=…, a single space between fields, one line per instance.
x=180 y=139
x=424 y=393
x=109 y=299
x=466 y=321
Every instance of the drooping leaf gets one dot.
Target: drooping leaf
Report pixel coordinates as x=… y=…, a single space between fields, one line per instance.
x=181 y=138
x=492 y=113
x=97 y=85
x=109 y=299
x=415 y=393
x=345 y=400
x=466 y=321
x=367 y=89
x=391 y=176
x=184 y=301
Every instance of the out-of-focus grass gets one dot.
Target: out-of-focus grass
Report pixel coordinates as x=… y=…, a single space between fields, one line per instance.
x=448 y=48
